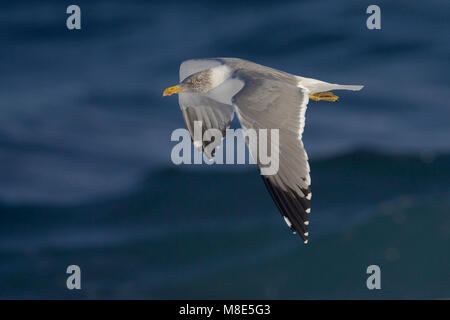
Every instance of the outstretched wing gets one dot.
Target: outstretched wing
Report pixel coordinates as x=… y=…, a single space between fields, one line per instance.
x=266 y=103
x=211 y=113
x=213 y=109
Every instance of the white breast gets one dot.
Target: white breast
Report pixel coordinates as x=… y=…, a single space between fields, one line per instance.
x=219 y=74
x=224 y=87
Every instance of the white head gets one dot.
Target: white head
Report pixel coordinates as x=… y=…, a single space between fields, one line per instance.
x=201 y=82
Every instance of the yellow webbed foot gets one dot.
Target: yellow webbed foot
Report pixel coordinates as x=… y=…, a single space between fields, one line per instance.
x=326 y=96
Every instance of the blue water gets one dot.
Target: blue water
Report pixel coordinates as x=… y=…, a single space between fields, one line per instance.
x=86 y=176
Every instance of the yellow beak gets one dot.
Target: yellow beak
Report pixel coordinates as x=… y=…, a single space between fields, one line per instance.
x=171 y=90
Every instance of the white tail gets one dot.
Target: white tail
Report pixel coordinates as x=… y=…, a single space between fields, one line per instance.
x=347 y=87
x=315 y=86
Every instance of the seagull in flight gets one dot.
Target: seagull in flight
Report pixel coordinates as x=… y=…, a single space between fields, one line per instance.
x=212 y=90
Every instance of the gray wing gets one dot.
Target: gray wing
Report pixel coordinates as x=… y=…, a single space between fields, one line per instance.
x=213 y=114
x=273 y=104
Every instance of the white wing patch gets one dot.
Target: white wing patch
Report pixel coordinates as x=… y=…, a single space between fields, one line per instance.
x=303 y=107
x=288 y=222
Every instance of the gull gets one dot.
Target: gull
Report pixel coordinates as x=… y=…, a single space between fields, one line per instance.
x=212 y=90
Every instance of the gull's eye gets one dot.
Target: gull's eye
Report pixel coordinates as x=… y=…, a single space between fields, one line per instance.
x=193 y=81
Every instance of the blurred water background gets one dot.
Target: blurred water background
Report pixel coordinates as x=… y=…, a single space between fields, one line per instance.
x=86 y=176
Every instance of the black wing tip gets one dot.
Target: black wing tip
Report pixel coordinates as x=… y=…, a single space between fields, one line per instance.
x=303 y=235
x=293 y=207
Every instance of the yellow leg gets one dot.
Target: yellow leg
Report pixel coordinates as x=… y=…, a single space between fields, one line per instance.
x=326 y=96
